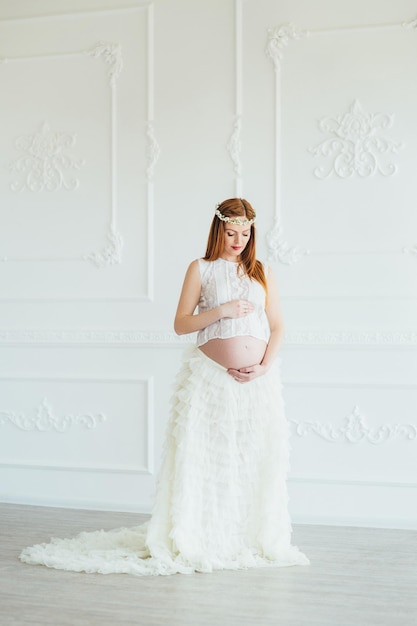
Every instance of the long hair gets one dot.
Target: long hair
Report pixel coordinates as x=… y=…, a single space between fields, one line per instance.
x=236 y=207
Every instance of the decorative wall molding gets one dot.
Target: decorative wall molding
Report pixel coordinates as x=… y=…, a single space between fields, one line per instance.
x=43 y=161
x=235 y=146
x=281 y=250
x=163 y=338
x=355 y=430
x=278 y=39
x=278 y=248
x=352 y=338
x=166 y=338
x=83 y=13
x=349 y=384
x=411 y=24
x=355 y=144
x=154 y=150
x=412 y=251
x=45 y=420
x=111 y=54
x=112 y=468
x=111 y=254
x=324 y=480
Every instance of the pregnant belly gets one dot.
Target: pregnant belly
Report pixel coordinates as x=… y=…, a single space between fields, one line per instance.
x=235 y=352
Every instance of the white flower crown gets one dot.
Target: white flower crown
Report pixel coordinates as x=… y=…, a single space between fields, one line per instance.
x=235 y=220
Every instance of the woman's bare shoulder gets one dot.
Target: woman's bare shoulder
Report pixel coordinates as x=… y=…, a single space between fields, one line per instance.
x=194 y=266
x=193 y=270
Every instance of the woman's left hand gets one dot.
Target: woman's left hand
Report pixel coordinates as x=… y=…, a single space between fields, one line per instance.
x=246 y=374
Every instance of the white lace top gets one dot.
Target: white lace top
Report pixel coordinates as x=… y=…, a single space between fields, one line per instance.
x=221 y=283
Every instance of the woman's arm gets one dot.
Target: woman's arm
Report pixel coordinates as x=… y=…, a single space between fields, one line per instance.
x=185 y=320
x=276 y=323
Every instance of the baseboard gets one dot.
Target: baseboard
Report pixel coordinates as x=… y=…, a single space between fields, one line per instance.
x=78 y=504
x=360 y=522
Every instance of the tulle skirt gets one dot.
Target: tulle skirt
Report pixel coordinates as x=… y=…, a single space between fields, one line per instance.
x=221 y=500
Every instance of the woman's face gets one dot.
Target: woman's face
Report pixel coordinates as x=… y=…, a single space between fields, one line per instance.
x=235 y=241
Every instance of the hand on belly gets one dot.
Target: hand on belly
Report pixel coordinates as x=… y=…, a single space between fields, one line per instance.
x=246 y=374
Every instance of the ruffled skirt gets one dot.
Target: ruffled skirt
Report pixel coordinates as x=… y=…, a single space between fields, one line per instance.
x=221 y=499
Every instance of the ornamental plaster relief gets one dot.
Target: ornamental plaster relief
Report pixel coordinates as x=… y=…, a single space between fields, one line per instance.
x=154 y=150
x=278 y=39
x=280 y=250
x=44 y=419
x=355 y=430
x=355 y=143
x=412 y=251
x=44 y=161
x=111 y=54
x=111 y=253
x=235 y=146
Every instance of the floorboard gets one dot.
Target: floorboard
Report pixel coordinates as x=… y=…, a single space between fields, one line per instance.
x=357 y=577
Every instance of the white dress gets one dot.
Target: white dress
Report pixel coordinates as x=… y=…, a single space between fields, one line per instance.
x=221 y=499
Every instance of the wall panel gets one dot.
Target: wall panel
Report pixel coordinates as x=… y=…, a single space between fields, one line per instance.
x=51 y=423
x=79 y=142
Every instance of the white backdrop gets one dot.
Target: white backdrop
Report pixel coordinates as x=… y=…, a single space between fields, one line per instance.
x=122 y=125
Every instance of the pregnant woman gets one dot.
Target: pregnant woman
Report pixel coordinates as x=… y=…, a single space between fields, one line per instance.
x=221 y=500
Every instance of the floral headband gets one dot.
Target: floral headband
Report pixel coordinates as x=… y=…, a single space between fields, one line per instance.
x=234 y=220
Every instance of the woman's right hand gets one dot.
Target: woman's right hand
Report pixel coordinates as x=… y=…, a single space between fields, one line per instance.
x=236 y=308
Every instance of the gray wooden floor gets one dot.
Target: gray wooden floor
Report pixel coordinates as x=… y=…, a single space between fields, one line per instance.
x=358 y=577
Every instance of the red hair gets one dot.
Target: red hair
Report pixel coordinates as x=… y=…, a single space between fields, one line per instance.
x=236 y=207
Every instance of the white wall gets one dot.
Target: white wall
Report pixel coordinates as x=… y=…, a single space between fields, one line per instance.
x=185 y=103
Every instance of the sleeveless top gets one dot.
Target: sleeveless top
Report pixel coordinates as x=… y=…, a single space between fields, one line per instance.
x=220 y=283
